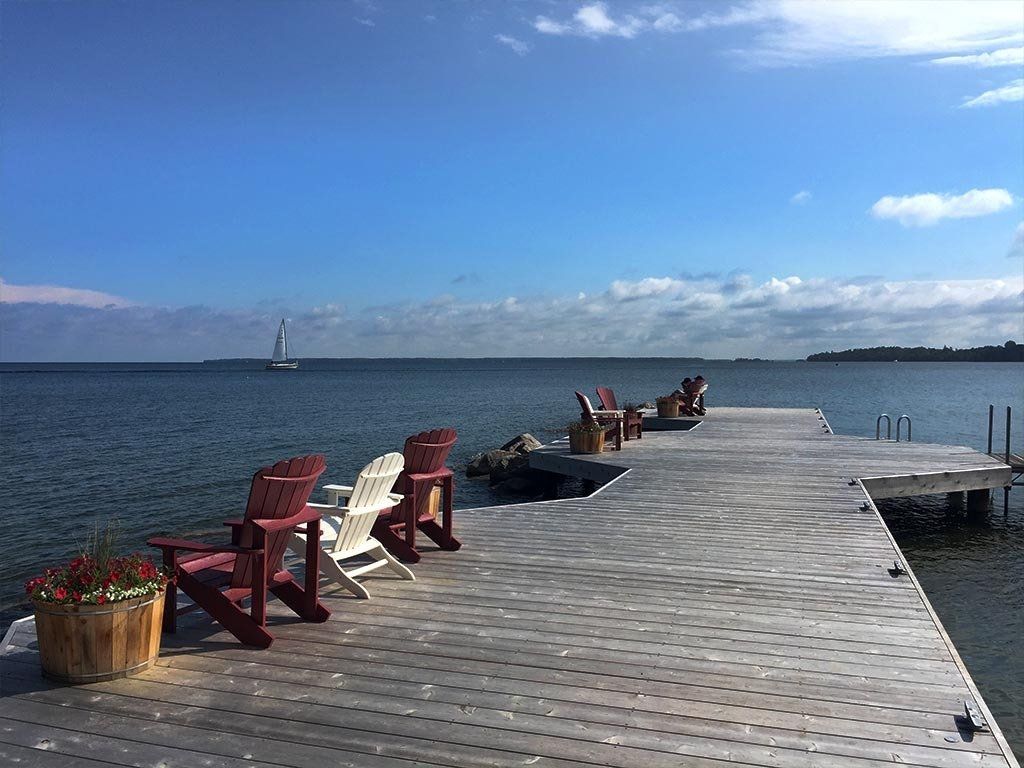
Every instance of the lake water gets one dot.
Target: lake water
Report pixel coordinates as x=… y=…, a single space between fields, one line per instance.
x=171 y=449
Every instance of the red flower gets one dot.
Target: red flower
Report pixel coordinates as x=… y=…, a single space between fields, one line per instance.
x=60 y=593
x=101 y=599
x=76 y=596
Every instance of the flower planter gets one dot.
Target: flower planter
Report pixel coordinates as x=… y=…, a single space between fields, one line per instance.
x=92 y=643
x=586 y=442
x=668 y=409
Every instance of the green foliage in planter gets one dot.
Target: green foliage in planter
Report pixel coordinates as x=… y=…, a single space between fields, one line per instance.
x=585 y=428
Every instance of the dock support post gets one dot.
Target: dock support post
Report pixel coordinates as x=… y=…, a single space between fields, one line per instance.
x=955 y=499
x=978 y=501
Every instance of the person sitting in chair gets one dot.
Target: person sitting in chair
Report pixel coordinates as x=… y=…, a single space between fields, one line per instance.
x=684 y=395
x=697 y=387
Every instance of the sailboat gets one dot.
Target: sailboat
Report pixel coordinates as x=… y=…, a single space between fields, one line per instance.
x=279 y=361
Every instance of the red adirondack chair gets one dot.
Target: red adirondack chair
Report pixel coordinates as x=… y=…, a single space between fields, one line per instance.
x=611 y=420
x=425 y=455
x=632 y=421
x=219 y=577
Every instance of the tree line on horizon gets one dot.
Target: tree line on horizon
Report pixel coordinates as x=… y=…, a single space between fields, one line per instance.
x=1010 y=352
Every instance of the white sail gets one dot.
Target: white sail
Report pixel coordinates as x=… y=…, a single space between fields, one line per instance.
x=280 y=346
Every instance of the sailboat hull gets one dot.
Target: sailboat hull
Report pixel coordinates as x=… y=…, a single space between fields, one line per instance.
x=290 y=366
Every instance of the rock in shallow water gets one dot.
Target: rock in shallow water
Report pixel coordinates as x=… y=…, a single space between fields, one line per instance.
x=523 y=443
x=483 y=463
x=501 y=459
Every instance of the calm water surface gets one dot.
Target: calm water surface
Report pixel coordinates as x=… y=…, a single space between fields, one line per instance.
x=171 y=449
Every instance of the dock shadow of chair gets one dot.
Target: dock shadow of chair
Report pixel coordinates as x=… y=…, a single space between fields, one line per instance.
x=218 y=578
x=346 y=529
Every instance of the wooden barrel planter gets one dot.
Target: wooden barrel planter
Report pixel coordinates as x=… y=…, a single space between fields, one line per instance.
x=586 y=442
x=93 y=643
x=668 y=409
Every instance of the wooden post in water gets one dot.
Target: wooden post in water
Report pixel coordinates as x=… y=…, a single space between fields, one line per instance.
x=978 y=501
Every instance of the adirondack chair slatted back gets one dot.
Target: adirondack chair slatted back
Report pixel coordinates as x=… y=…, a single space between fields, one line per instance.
x=369 y=497
x=277 y=492
x=587 y=412
x=376 y=480
x=425 y=454
x=607 y=398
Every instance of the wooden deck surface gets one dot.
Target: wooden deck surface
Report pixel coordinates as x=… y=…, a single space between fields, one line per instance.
x=725 y=602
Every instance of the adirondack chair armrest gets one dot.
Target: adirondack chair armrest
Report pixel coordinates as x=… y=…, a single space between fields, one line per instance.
x=198 y=546
x=610 y=414
x=426 y=476
x=236 y=523
x=307 y=515
x=343 y=491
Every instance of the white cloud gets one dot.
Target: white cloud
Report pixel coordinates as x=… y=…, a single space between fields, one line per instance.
x=1004 y=57
x=1013 y=91
x=518 y=46
x=593 y=20
x=649 y=287
x=927 y=209
x=801 y=32
x=710 y=316
x=365 y=21
x=1017 y=246
x=797 y=32
x=801 y=198
x=56 y=294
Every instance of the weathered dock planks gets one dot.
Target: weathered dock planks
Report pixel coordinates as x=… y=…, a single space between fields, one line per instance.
x=724 y=602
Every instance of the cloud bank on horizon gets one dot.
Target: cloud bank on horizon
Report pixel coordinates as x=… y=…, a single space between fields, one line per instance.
x=703 y=316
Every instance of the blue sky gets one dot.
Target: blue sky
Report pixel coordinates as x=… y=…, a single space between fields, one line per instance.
x=563 y=178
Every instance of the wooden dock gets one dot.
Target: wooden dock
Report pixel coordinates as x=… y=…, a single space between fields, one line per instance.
x=726 y=601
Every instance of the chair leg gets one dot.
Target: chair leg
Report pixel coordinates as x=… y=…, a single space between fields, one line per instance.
x=295 y=597
x=227 y=614
x=170 y=617
x=392 y=542
x=330 y=568
x=379 y=553
x=435 y=533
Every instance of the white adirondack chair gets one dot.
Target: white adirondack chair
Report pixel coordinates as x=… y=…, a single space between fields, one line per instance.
x=345 y=528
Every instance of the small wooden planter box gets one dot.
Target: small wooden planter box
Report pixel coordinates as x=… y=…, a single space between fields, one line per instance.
x=434 y=505
x=668 y=410
x=93 y=643
x=586 y=442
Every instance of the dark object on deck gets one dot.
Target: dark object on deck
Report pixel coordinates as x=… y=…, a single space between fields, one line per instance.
x=611 y=420
x=971 y=720
x=252 y=563
x=425 y=454
x=897 y=570
x=632 y=421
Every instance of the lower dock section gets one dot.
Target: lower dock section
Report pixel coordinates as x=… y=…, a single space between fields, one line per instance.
x=726 y=598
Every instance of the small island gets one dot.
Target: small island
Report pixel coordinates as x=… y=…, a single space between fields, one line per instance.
x=1010 y=352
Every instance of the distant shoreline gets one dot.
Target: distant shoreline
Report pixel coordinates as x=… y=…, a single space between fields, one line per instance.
x=1010 y=352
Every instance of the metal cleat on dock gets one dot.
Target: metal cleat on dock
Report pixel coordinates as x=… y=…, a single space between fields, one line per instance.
x=971 y=720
